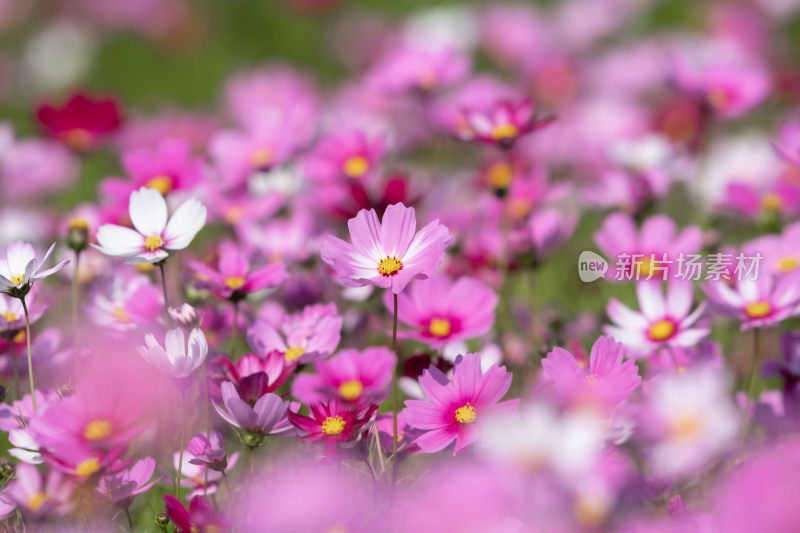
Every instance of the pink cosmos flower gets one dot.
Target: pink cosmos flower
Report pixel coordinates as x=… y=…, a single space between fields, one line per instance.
x=199 y=517
x=638 y=251
x=503 y=123
x=386 y=253
x=441 y=310
x=20 y=268
x=788 y=142
x=350 y=377
x=764 y=198
x=12 y=315
x=176 y=358
x=453 y=406
x=345 y=155
x=307 y=336
x=407 y=68
x=606 y=381
x=201 y=478
x=664 y=321
x=233 y=278
x=129 y=302
x=762 y=302
x=41 y=495
x=208 y=451
x=781 y=253
x=252 y=375
x=267 y=416
x=479 y=93
x=239 y=154
x=332 y=423
x=120 y=487
x=154 y=236
x=166 y=168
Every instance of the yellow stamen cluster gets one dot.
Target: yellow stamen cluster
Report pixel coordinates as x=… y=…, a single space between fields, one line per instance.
x=261 y=158
x=153 y=242
x=771 y=202
x=78 y=139
x=644 y=267
x=87 y=467
x=466 y=414
x=97 y=430
x=439 y=327
x=757 y=309
x=120 y=314
x=350 y=390
x=78 y=223
x=333 y=425
x=504 y=131
x=10 y=316
x=16 y=279
x=389 y=266
x=662 y=330
x=36 y=501
x=234 y=282
x=294 y=352
x=162 y=183
x=685 y=427
x=788 y=263
x=355 y=166
x=499 y=175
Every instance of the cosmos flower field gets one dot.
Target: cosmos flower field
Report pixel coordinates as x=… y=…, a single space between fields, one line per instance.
x=318 y=266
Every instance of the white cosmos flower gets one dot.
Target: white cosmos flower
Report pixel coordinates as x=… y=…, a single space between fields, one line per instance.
x=173 y=359
x=153 y=234
x=20 y=268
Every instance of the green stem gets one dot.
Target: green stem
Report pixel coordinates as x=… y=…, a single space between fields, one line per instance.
x=181 y=444
x=130 y=520
x=30 y=360
x=394 y=391
x=164 y=289
x=751 y=384
x=75 y=294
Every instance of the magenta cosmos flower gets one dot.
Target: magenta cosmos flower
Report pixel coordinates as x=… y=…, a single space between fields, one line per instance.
x=441 y=310
x=788 y=142
x=388 y=253
x=632 y=251
x=232 y=278
x=129 y=302
x=346 y=155
x=502 y=124
x=453 y=406
x=154 y=236
x=208 y=451
x=266 y=416
x=199 y=517
x=332 y=423
x=20 y=268
x=663 y=320
x=167 y=167
x=781 y=252
x=351 y=377
x=407 y=68
x=758 y=303
x=307 y=336
x=252 y=375
x=605 y=382
x=40 y=495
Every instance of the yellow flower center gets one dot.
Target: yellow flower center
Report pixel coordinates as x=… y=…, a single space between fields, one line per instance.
x=120 y=314
x=355 y=166
x=499 y=175
x=234 y=282
x=10 y=316
x=504 y=131
x=466 y=414
x=78 y=223
x=350 y=390
x=757 y=309
x=87 y=467
x=153 y=242
x=771 y=202
x=161 y=183
x=234 y=214
x=440 y=327
x=16 y=279
x=294 y=352
x=519 y=208
x=37 y=500
x=684 y=427
x=78 y=139
x=333 y=425
x=261 y=158
x=719 y=98
x=97 y=430
x=427 y=80
x=787 y=263
x=644 y=266
x=662 y=330
x=389 y=266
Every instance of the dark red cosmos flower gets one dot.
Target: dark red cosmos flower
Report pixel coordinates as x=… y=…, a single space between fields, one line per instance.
x=394 y=191
x=82 y=122
x=198 y=518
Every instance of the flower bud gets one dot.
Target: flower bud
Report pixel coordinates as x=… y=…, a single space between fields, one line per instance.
x=185 y=316
x=78 y=234
x=162 y=520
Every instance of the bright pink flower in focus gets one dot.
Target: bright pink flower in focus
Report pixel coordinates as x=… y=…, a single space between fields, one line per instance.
x=763 y=302
x=453 y=406
x=441 y=310
x=388 y=253
x=503 y=123
x=605 y=382
x=350 y=377
x=631 y=250
x=82 y=122
x=265 y=416
x=252 y=375
x=332 y=423
x=664 y=321
x=233 y=278
x=345 y=155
